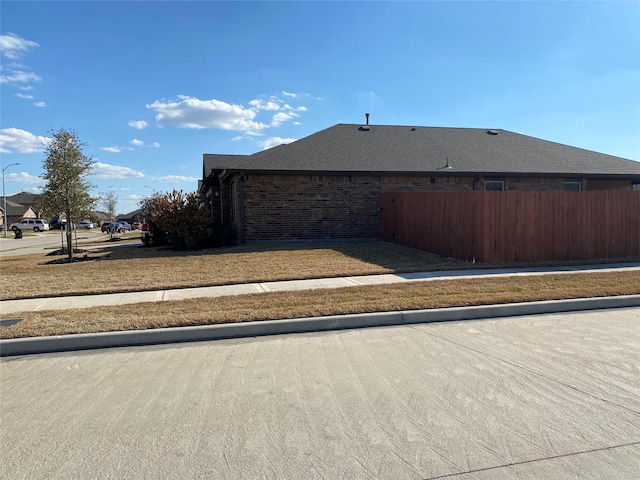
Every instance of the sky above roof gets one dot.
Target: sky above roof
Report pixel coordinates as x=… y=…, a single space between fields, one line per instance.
x=151 y=86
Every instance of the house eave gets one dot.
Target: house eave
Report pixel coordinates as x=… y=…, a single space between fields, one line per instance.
x=225 y=173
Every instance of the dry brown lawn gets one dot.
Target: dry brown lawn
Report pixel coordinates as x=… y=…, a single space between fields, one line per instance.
x=112 y=268
x=124 y=269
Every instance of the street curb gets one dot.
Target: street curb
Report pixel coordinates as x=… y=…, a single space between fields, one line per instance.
x=65 y=343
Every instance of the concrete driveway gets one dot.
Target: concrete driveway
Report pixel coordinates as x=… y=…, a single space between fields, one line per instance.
x=546 y=396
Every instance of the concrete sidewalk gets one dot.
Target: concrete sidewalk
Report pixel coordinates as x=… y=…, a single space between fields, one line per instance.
x=111 y=299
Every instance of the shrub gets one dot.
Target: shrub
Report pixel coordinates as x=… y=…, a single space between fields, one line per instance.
x=182 y=219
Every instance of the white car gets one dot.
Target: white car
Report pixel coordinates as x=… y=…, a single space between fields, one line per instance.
x=86 y=224
x=34 y=224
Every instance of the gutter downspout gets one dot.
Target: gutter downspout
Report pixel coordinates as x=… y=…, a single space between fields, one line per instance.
x=242 y=222
x=221 y=203
x=211 y=197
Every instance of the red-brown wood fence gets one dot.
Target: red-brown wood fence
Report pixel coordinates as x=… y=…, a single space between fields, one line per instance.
x=515 y=226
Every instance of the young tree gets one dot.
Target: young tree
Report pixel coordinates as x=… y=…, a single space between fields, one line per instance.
x=109 y=202
x=66 y=169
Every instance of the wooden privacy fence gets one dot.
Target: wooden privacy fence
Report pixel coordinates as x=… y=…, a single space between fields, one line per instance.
x=515 y=226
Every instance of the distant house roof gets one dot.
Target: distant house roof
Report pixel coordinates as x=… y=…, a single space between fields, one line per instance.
x=381 y=149
x=100 y=215
x=25 y=198
x=17 y=210
x=126 y=216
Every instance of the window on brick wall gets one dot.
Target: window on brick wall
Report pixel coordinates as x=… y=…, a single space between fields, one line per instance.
x=635 y=186
x=572 y=186
x=494 y=185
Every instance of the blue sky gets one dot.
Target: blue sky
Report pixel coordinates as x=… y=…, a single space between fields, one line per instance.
x=151 y=86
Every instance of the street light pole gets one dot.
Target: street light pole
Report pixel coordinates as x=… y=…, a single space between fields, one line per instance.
x=4 y=198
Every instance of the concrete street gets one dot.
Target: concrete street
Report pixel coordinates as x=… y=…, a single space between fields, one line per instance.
x=42 y=242
x=546 y=396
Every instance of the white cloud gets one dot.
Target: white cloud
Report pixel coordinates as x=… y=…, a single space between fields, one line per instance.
x=238 y=138
x=40 y=104
x=13 y=46
x=138 y=124
x=177 y=179
x=191 y=112
x=262 y=105
x=155 y=145
x=302 y=108
x=25 y=88
x=111 y=149
x=23 y=177
x=274 y=141
x=136 y=142
x=106 y=170
x=19 y=76
x=23 y=95
x=281 y=117
x=21 y=141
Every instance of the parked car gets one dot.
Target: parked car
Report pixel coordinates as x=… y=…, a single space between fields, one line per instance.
x=136 y=226
x=34 y=224
x=105 y=226
x=57 y=224
x=117 y=227
x=86 y=224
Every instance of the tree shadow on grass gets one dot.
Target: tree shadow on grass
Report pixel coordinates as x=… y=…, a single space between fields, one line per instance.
x=390 y=257
x=79 y=255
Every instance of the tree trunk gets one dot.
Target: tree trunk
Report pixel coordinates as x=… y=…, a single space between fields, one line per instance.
x=69 y=239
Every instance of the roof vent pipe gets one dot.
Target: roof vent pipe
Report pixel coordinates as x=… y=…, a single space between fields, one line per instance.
x=367 y=117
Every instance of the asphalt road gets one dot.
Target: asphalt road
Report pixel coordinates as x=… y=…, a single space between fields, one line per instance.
x=548 y=396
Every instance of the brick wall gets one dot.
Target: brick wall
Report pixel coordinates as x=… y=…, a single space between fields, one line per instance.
x=300 y=207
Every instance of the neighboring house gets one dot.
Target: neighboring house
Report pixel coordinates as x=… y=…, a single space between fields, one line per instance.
x=131 y=217
x=17 y=212
x=28 y=200
x=328 y=185
x=101 y=217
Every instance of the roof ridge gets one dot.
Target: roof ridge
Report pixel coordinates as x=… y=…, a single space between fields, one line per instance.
x=422 y=126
